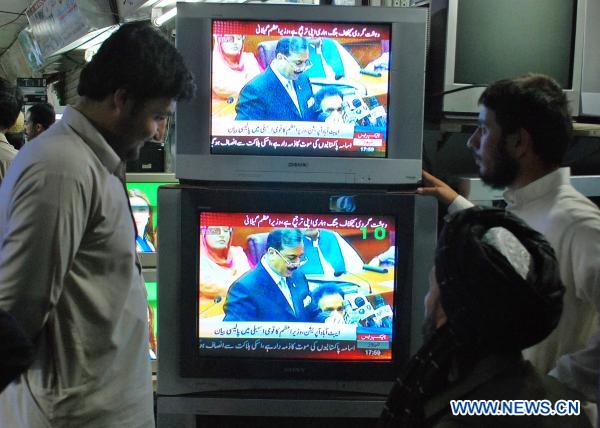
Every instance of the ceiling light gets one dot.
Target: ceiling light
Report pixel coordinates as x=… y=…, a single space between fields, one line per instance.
x=165 y=17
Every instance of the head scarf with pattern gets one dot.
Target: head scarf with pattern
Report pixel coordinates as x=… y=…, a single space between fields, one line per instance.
x=501 y=291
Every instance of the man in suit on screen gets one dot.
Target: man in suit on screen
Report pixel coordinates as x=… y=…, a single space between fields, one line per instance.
x=275 y=290
x=283 y=92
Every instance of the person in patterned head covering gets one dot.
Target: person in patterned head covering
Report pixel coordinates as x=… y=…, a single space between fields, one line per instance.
x=494 y=291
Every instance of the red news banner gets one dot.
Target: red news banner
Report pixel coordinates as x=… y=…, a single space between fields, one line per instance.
x=304 y=29
x=270 y=221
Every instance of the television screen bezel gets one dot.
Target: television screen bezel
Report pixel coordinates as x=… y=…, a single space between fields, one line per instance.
x=405 y=115
x=193 y=365
x=465 y=102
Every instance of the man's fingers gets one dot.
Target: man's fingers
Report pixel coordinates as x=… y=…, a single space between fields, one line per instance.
x=431 y=180
x=428 y=191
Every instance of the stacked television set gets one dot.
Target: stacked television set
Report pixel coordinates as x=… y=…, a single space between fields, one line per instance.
x=379 y=143
x=246 y=176
x=258 y=351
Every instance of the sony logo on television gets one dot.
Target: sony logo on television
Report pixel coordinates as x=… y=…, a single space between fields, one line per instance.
x=297 y=164
x=294 y=369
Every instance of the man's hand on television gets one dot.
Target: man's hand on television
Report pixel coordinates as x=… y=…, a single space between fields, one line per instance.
x=433 y=186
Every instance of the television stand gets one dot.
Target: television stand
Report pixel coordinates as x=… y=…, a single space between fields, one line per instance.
x=288 y=409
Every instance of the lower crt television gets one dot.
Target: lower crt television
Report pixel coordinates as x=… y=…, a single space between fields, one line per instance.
x=353 y=113
x=355 y=305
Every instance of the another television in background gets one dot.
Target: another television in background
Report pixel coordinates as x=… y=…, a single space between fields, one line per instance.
x=143 y=197
x=372 y=59
x=476 y=42
x=152 y=290
x=203 y=349
x=590 y=80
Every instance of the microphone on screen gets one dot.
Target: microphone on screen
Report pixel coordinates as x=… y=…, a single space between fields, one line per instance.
x=377 y=269
x=383 y=312
x=370 y=72
x=368 y=316
x=358 y=310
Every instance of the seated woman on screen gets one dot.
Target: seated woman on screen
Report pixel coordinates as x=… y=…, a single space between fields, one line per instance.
x=232 y=67
x=145 y=240
x=220 y=265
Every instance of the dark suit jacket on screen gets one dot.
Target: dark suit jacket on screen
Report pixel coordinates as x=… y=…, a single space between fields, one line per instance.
x=265 y=98
x=256 y=297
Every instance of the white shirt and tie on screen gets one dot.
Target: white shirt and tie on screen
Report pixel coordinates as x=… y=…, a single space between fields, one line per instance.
x=288 y=84
x=292 y=92
x=281 y=282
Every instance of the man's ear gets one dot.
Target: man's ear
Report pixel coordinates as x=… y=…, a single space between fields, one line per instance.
x=120 y=98
x=38 y=128
x=518 y=143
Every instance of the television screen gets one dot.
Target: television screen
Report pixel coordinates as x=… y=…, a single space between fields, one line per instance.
x=309 y=94
x=332 y=306
x=299 y=88
x=540 y=41
x=152 y=316
x=143 y=200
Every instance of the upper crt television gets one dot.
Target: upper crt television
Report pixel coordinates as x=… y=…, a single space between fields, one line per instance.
x=290 y=290
x=476 y=42
x=298 y=93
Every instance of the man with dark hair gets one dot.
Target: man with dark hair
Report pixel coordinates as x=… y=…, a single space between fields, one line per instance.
x=495 y=290
x=282 y=91
x=15 y=135
x=69 y=273
x=523 y=133
x=11 y=101
x=329 y=104
x=275 y=290
x=38 y=118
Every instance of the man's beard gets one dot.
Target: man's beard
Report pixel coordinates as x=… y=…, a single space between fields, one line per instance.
x=504 y=171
